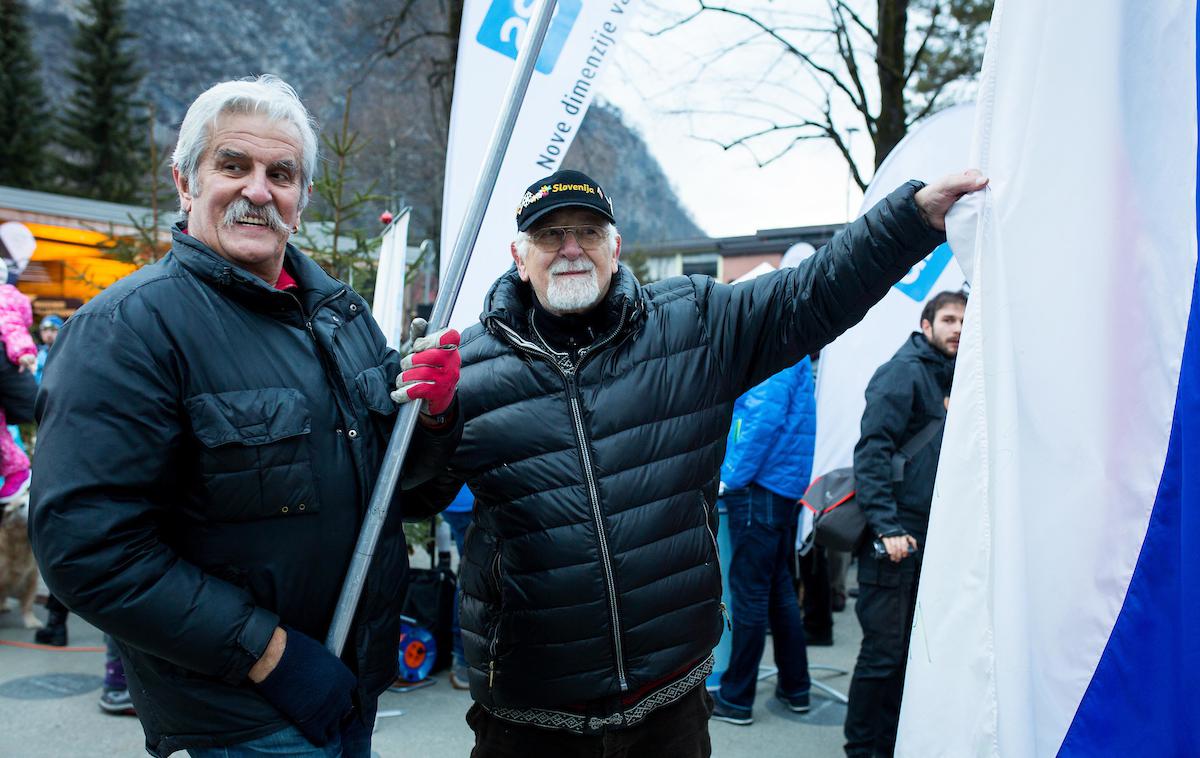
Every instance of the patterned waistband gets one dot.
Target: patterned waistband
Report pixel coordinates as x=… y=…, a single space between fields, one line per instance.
x=578 y=723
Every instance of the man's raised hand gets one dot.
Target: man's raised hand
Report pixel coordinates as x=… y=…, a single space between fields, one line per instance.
x=934 y=200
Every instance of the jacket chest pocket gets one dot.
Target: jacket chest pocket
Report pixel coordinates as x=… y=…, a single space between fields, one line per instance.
x=254 y=458
x=374 y=386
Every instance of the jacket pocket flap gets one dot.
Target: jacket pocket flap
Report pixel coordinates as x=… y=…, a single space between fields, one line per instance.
x=375 y=386
x=248 y=417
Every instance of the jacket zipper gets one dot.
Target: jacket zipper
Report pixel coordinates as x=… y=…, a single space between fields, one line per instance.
x=594 y=496
x=708 y=526
x=568 y=371
x=717 y=551
x=327 y=362
x=495 y=632
x=308 y=318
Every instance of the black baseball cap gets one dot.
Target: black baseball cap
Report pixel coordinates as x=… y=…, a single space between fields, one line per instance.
x=562 y=189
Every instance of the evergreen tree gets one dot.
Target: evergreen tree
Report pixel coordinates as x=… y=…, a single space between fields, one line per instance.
x=101 y=127
x=22 y=103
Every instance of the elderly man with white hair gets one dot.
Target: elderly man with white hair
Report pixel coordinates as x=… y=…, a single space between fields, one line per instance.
x=211 y=428
x=596 y=414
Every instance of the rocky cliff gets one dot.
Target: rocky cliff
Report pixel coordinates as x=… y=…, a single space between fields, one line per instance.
x=324 y=48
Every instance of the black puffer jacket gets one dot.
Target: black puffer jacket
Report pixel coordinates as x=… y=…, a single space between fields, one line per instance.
x=903 y=397
x=207 y=449
x=591 y=569
x=18 y=390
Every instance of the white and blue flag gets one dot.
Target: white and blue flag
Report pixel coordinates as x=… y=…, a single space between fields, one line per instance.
x=1059 y=606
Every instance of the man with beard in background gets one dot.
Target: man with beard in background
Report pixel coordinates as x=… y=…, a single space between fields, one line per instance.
x=895 y=464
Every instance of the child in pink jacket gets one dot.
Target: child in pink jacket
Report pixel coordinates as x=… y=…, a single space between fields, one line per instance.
x=16 y=319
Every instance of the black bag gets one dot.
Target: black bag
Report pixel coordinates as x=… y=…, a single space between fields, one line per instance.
x=429 y=602
x=838 y=521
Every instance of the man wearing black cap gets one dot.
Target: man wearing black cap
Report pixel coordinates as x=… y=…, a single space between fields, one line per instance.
x=596 y=414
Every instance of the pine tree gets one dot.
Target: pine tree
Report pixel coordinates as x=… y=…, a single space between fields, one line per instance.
x=101 y=127
x=22 y=103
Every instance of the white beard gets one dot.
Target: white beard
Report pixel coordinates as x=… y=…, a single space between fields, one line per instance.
x=573 y=293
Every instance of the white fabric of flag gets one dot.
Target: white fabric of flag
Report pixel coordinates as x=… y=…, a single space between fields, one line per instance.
x=388 y=304
x=578 y=48
x=1057 y=611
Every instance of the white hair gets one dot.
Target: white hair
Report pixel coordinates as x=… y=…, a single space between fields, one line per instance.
x=268 y=95
x=523 y=240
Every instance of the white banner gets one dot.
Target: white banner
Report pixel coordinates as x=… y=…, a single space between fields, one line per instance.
x=388 y=306
x=577 y=50
x=1059 y=603
x=938 y=146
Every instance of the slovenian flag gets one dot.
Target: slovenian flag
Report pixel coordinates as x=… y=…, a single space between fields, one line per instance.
x=1059 y=606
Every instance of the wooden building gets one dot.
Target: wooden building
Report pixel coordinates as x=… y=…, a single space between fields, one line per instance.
x=82 y=245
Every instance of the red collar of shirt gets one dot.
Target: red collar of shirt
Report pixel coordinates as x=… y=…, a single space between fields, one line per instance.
x=283 y=283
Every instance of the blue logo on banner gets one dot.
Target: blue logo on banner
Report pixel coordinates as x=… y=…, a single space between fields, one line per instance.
x=920 y=278
x=505 y=23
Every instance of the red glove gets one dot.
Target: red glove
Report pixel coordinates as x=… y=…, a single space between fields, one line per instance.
x=430 y=372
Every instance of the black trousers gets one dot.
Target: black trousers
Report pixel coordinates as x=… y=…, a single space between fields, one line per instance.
x=887 y=597
x=678 y=730
x=818 y=598
x=56 y=608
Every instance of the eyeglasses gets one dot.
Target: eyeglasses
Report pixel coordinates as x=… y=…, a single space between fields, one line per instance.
x=551 y=238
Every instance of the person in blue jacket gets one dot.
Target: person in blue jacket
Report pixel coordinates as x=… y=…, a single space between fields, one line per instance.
x=768 y=462
x=48 y=332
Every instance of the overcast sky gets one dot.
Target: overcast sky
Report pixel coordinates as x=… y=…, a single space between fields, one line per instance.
x=655 y=77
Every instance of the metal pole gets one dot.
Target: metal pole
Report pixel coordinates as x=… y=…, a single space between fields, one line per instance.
x=443 y=307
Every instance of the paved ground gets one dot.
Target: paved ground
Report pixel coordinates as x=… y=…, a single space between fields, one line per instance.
x=48 y=707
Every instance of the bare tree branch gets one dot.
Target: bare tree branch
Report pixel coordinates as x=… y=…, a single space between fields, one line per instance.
x=857 y=20
x=846 y=51
x=834 y=79
x=761 y=162
x=929 y=106
x=676 y=25
x=921 y=50
x=920 y=53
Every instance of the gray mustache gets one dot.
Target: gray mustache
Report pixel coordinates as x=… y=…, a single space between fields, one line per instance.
x=243 y=208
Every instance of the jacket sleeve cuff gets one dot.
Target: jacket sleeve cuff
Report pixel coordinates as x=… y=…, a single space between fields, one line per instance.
x=444 y=424
x=251 y=643
x=922 y=236
x=884 y=524
x=432 y=449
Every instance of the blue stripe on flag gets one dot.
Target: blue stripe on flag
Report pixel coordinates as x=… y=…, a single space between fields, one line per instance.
x=1144 y=698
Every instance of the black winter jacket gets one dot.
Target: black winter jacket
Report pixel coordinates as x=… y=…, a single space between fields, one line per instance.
x=903 y=397
x=591 y=568
x=18 y=390
x=207 y=449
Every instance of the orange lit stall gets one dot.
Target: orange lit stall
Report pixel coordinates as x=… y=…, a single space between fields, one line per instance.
x=82 y=245
x=69 y=267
